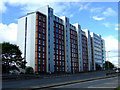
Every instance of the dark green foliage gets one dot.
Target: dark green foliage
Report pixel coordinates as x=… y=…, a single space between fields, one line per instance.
x=98 y=67
x=29 y=70
x=11 y=55
x=108 y=65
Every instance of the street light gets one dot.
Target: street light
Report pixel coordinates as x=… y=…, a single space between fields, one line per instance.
x=108 y=58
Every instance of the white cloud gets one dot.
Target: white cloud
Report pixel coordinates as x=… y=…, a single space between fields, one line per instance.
x=97 y=18
x=84 y=7
x=109 y=12
x=117 y=28
x=71 y=15
x=96 y=10
x=106 y=24
x=8 y=33
x=111 y=45
x=3 y=8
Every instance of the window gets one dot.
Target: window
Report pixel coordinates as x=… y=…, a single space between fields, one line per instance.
x=43 y=30
x=43 y=62
x=56 y=40
x=43 y=49
x=57 y=46
x=43 y=55
x=62 y=32
x=56 y=25
x=63 y=68
x=63 y=64
x=39 y=42
x=59 y=36
x=60 y=68
x=57 y=57
x=62 y=27
x=59 y=26
x=39 y=35
x=57 y=68
x=53 y=56
x=60 y=62
x=62 y=37
x=39 y=17
x=59 y=31
x=60 y=52
x=39 y=55
x=57 y=51
x=43 y=36
x=39 y=23
x=43 y=43
x=39 y=48
x=56 y=35
x=39 y=29
x=43 y=68
x=56 y=30
x=62 y=42
x=63 y=58
x=59 y=42
x=60 y=57
x=43 y=24
x=43 y=19
x=62 y=47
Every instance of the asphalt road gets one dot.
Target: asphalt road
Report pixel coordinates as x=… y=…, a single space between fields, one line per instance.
x=46 y=80
x=101 y=83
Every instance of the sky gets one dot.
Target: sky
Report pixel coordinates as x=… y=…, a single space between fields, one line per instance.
x=99 y=17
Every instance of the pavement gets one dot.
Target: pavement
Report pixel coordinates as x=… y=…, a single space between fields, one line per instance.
x=47 y=81
x=99 y=83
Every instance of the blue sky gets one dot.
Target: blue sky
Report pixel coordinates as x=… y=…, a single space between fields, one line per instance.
x=99 y=17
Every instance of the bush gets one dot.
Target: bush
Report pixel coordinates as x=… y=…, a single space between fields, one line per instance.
x=29 y=70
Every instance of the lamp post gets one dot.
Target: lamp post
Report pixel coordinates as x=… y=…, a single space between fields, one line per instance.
x=108 y=58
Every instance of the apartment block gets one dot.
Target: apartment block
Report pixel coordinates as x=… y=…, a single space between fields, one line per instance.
x=97 y=50
x=52 y=44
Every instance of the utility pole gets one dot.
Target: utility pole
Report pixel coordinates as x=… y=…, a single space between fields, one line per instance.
x=108 y=59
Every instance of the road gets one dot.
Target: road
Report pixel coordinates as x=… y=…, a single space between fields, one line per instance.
x=46 y=81
x=101 y=83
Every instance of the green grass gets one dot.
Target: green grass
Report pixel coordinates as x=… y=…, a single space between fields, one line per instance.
x=118 y=88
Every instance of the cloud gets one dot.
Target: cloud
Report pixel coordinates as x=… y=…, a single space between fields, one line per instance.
x=96 y=10
x=71 y=15
x=97 y=18
x=84 y=7
x=3 y=8
x=111 y=44
x=109 y=12
x=106 y=24
x=117 y=27
x=8 y=33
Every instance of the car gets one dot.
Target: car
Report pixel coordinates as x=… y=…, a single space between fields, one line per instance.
x=117 y=71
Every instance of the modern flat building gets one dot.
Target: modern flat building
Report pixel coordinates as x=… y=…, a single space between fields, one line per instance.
x=51 y=44
x=97 y=50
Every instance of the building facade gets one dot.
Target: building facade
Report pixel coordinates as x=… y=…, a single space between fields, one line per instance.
x=51 y=44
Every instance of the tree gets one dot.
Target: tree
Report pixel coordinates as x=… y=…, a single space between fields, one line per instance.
x=98 y=67
x=29 y=70
x=11 y=56
x=108 y=65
